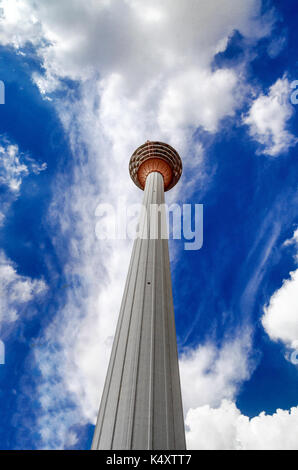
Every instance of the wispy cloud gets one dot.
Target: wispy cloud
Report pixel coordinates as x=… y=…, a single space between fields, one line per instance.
x=12 y=170
x=14 y=167
x=16 y=291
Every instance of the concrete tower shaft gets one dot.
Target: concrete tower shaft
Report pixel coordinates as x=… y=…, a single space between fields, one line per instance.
x=141 y=406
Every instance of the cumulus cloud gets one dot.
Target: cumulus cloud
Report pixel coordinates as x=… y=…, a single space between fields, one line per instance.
x=225 y=428
x=116 y=38
x=165 y=44
x=280 y=317
x=210 y=374
x=214 y=96
x=15 y=291
x=145 y=71
x=268 y=119
x=19 y=25
x=211 y=378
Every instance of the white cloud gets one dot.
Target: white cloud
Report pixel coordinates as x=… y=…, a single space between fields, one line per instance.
x=211 y=378
x=14 y=167
x=18 y=23
x=214 y=96
x=293 y=241
x=280 y=317
x=15 y=290
x=145 y=72
x=268 y=118
x=168 y=45
x=225 y=428
x=210 y=374
x=126 y=37
x=12 y=170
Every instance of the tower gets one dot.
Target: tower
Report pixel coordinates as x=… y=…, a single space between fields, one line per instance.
x=141 y=406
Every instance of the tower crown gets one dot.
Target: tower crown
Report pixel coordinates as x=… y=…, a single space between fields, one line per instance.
x=155 y=156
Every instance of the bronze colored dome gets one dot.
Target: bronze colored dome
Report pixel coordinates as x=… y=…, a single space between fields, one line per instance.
x=155 y=156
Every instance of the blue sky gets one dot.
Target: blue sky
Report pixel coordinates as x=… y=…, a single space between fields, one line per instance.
x=84 y=86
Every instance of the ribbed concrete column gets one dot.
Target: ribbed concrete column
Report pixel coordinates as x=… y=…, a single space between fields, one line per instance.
x=141 y=404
